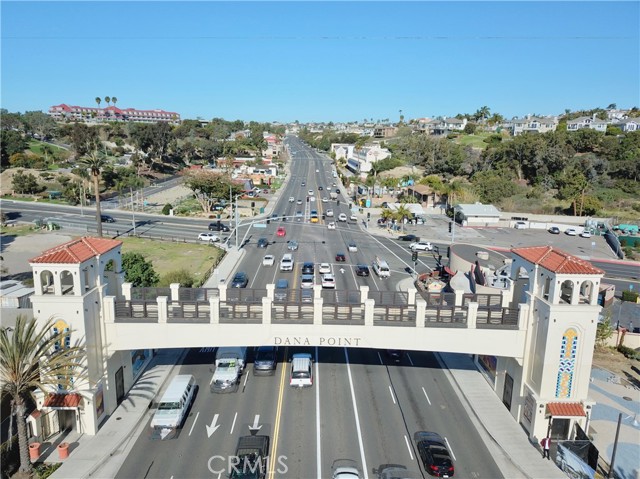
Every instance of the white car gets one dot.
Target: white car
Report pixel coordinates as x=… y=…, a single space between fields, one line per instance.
x=299 y=202
x=331 y=226
x=585 y=234
x=210 y=237
x=310 y=192
x=353 y=218
x=421 y=246
x=291 y=199
x=312 y=198
x=353 y=248
x=328 y=281
x=268 y=260
x=329 y=213
x=520 y=225
x=325 y=200
x=324 y=268
x=571 y=232
x=342 y=217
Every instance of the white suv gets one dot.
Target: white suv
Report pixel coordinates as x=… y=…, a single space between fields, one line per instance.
x=292 y=199
x=342 y=217
x=421 y=246
x=329 y=213
x=286 y=263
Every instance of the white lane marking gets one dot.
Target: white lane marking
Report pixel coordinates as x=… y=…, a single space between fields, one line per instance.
x=380 y=358
x=212 y=376
x=392 y=397
x=234 y=423
x=410 y=360
x=246 y=378
x=450 y=450
x=406 y=440
x=425 y=395
x=355 y=411
x=194 y=423
x=318 y=445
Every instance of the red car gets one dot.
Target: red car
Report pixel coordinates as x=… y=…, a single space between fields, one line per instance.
x=340 y=257
x=281 y=231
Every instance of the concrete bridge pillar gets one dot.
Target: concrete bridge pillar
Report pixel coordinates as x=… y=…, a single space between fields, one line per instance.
x=266 y=308
x=317 y=310
x=222 y=292
x=421 y=311
x=175 y=291
x=459 y=296
x=126 y=290
x=472 y=315
x=270 y=290
x=369 y=306
x=109 y=309
x=317 y=290
x=364 y=293
x=214 y=306
x=162 y=308
x=411 y=292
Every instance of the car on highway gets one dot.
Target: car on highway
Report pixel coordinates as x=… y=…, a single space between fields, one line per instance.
x=281 y=231
x=352 y=247
x=263 y=242
x=353 y=217
x=342 y=217
x=240 y=280
x=320 y=187
x=571 y=232
x=585 y=234
x=307 y=267
x=286 y=263
x=554 y=230
x=292 y=245
x=306 y=296
x=331 y=225
x=325 y=200
x=395 y=471
x=310 y=192
x=266 y=359
x=329 y=213
x=345 y=469
x=299 y=202
x=299 y=215
x=268 y=260
x=328 y=281
x=217 y=226
x=421 y=246
x=107 y=219
x=341 y=257
x=303 y=184
x=307 y=281
x=408 y=238
x=292 y=199
x=282 y=290
x=312 y=198
x=434 y=454
x=337 y=192
x=210 y=237
x=362 y=270
x=324 y=268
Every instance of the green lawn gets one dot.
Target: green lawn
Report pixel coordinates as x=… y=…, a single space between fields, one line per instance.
x=36 y=147
x=475 y=141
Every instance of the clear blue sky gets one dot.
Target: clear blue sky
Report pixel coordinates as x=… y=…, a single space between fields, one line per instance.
x=330 y=61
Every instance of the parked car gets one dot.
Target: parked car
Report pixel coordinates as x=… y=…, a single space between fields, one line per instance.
x=434 y=454
x=421 y=246
x=240 y=280
x=520 y=225
x=340 y=257
x=408 y=238
x=281 y=231
x=585 y=234
x=292 y=245
x=107 y=219
x=554 y=230
x=210 y=237
x=268 y=260
x=328 y=281
x=571 y=232
x=263 y=242
x=218 y=227
x=353 y=248
x=324 y=268
x=362 y=270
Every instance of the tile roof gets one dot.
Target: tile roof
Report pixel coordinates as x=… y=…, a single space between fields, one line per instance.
x=62 y=400
x=556 y=260
x=76 y=251
x=565 y=409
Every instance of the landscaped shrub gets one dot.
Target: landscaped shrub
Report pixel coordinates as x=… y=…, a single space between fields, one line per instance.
x=182 y=276
x=166 y=209
x=630 y=296
x=628 y=352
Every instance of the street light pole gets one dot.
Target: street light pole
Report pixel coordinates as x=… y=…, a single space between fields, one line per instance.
x=133 y=214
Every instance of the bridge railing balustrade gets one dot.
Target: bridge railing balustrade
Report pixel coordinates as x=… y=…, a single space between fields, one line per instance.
x=242 y=306
x=149 y=294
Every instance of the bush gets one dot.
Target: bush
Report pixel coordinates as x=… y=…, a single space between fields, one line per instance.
x=628 y=352
x=166 y=209
x=182 y=276
x=630 y=296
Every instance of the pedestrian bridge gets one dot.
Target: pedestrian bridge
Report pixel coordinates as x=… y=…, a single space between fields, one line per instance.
x=178 y=317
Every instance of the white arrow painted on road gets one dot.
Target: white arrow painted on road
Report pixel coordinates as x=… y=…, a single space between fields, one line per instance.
x=255 y=428
x=211 y=429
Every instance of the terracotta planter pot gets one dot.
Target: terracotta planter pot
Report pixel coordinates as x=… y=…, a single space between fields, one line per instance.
x=34 y=451
x=63 y=450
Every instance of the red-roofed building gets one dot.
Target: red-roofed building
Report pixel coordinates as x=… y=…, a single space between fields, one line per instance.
x=89 y=114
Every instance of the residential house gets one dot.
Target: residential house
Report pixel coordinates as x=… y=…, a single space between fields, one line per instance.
x=384 y=131
x=361 y=159
x=341 y=150
x=630 y=124
x=530 y=124
x=443 y=126
x=591 y=122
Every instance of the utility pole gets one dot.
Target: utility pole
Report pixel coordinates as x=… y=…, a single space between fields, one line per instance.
x=615 y=448
x=133 y=214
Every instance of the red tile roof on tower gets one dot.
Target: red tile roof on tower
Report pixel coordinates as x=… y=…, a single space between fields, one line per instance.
x=565 y=409
x=62 y=400
x=556 y=260
x=76 y=251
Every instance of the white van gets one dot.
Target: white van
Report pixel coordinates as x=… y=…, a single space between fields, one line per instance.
x=286 y=263
x=301 y=370
x=381 y=267
x=175 y=402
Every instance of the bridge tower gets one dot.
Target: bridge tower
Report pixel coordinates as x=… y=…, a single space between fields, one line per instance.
x=559 y=301
x=70 y=281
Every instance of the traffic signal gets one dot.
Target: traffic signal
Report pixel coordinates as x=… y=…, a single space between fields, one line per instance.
x=307 y=199
x=414 y=256
x=450 y=226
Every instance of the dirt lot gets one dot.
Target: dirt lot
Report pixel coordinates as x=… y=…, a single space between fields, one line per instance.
x=611 y=360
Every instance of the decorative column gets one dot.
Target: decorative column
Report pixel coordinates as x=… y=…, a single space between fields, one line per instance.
x=222 y=292
x=364 y=293
x=266 y=308
x=472 y=315
x=421 y=311
x=412 y=295
x=175 y=291
x=162 y=308
x=317 y=310
x=369 y=306
x=126 y=290
x=214 y=307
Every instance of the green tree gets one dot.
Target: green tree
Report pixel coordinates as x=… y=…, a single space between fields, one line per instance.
x=95 y=162
x=114 y=100
x=107 y=100
x=23 y=351
x=493 y=186
x=138 y=271
x=209 y=187
x=98 y=101
x=83 y=139
x=25 y=183
x=11 y=142
x=39 y=123
x=470 y=128
x=182 y=276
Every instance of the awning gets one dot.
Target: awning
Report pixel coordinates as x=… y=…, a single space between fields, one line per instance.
x=62 y=401
x=565 y=409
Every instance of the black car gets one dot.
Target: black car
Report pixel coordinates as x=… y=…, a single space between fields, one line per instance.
x=320 y=188
x=240 y=280
x=307 y=268
x=362 y=270
x=340 y=257
x=434 y=454
x=107 y=219
x=554 y=230
x=218 y=227
x=263 y=242
x=337 y=192
x=408 y=238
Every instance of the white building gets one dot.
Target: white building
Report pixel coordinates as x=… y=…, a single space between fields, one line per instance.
x=591 y=122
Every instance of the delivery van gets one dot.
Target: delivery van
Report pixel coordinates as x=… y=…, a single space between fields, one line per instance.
x=175 y=402
x=381 y=267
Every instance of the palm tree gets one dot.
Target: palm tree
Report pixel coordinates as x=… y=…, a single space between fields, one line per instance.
x=98 y=101
x=453 y=189
x=108 y=100
x=95 y=162
x=23 y=351
x=114 y=100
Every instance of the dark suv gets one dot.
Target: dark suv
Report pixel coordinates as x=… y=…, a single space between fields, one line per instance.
x=307 y=268
x=240 y=280
x=263 y=243
x=251 y=458
x=218 y=227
